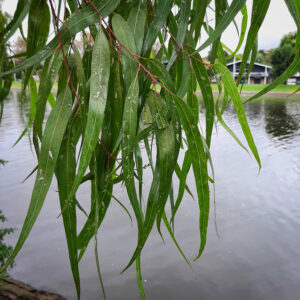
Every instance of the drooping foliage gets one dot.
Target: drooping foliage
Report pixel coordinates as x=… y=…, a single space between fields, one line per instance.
x=116 y=96
x=283 y=56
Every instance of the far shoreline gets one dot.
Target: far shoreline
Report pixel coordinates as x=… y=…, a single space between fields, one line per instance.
x=289 y=91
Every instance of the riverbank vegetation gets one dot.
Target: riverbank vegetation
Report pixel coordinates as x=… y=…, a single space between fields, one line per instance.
x=283 y=88
x=255 y=88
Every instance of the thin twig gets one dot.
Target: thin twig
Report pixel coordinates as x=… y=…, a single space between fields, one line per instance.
x=134 y=56
x=56 y=19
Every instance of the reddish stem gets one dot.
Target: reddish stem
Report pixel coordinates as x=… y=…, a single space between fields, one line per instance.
x=56 y=19
x=134 y=56
x=182 y=48
x=109 y=155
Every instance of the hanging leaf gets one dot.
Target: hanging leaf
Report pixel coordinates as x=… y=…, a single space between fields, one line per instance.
x=206 y=91
x=54 y=131
x=136 y=23
x=124 y=33
x=22 y=10
x=230 y=86
x=199 y=166
x=65 y=174
x=98 y=93
x=128 y=145
x=259 y=11
x=231 y=12
x=161 y=13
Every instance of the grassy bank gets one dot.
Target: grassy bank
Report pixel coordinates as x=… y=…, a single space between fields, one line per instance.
x=258 y=87
x=254 y=88
x=18 y=85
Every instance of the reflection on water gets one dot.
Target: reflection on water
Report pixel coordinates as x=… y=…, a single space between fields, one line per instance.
x=254 y=110
x=258 y=217
x=280 y=123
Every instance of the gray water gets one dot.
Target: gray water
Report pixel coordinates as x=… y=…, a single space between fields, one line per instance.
x=256 y=257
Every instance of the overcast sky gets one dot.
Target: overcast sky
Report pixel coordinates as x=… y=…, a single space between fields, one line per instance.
x=277 y=23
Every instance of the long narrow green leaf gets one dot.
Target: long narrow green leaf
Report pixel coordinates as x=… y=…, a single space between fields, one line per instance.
x=175 y=241
x=128 y=145
x=47 y=79
x=19 y=15
x=166 y=155
x=206 y=91
x=33 y=98
x=150 y=215
x=259 y=11
x=230 y=86
x=82 y=89
x=158 y=69
x=162 y=11
x=162 y=177
x=182 y=89
x=139 y=167
x=111 y=128
x=6 y=83
x=227 y=128
x=38 y=30
x=187 y=162
x=184 y=15
x=139 y=278
x=88 y=231
x=98 y=86
x=220 y=8
x=52 y=139
x=253 y=59
x=96 y=200
x=121 y=204
x=243 y=29
x=65 y=174
x=33 y=103
x=124 y=34
x=38 y=26
x=232 y=11
x=199 y=166
x=199 y=10
x=178 y=173
x=294 y=9
x=136 y=22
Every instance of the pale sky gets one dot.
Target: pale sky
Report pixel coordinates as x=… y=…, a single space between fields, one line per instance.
x=277 y=23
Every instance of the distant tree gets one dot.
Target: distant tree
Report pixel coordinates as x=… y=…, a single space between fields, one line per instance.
x=5 y=250
x=226 y=54
x=283 y=56
x=267 y=56
x=19 y=47
x=264 y=56
x=260 y=58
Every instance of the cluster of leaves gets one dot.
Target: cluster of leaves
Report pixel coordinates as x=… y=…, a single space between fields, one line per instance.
x=5 y=63
x=5 y=250
x=117 y=98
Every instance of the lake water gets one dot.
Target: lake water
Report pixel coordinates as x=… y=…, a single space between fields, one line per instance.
x=256 y=257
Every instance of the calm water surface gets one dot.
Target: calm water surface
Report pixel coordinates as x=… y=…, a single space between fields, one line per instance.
x=256 y=257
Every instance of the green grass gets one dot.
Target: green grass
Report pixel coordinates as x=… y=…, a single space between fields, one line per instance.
x=247 y=87
x=258 y=87
x=18 y=85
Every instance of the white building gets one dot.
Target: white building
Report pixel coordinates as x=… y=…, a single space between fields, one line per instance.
x=260 y=73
